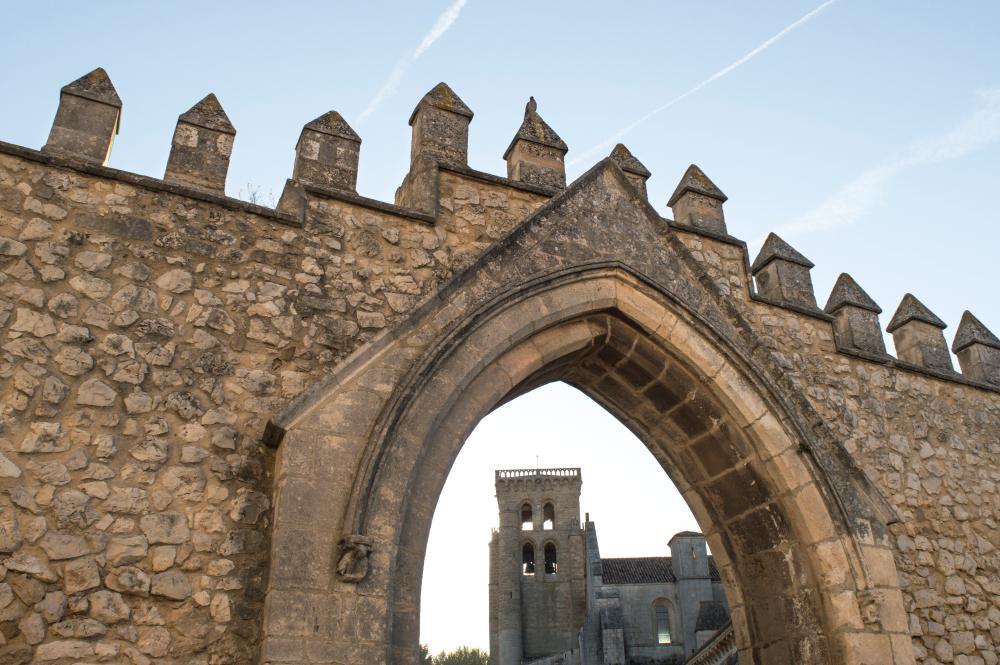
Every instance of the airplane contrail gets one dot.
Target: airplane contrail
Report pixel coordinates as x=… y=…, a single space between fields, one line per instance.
x=852 y=202
x=441 y=26
x=714 y=77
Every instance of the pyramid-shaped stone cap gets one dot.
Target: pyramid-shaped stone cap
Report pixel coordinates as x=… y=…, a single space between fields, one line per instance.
x=911 y=309
x=208 y=113
x=443 y=97
x=96 y=86
x=333 y=124
x=972 y=331
x=626 y=161
x=695 y=180
x=776 y=248
x=536 y=130
x=847 y=292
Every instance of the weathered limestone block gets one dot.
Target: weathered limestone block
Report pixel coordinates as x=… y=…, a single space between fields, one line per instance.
x=536 y=153
x=87 y=119
x=634 y=170
x=202 y=146
x=782 y=273
x=697 y=202
x=440 y=123
x=978 y=350
x=327 y=153
x=918 y=335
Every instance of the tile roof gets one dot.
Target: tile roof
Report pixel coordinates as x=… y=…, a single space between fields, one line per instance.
x=646 y=570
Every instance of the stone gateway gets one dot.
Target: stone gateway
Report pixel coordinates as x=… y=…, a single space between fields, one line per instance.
x=225 y=427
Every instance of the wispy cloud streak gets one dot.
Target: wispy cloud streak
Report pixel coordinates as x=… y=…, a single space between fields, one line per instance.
x=859 y=197
x=441 y=26
x=711 y=79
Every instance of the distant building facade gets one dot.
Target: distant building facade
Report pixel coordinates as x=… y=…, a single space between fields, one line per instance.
x=555 y=601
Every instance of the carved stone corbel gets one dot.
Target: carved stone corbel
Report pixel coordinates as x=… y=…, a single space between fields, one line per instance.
x=354 y=552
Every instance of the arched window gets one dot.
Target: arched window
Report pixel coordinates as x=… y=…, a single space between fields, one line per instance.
x=526 y=521
x=528 y=559
x=661 y=618
x=551 y=565
x=548 y=517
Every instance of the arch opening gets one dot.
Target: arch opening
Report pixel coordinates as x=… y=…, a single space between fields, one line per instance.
x=527 y=523
x=528 y=559
x=551 y=559
x=720 y=431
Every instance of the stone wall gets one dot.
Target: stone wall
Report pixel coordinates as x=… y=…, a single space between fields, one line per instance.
x=149 y=329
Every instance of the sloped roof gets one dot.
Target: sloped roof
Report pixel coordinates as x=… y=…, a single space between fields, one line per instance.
x=911 y=309
x=333 y=124
x=95 y=85
x=536 y=130
x=646 y=570
x=208 y=113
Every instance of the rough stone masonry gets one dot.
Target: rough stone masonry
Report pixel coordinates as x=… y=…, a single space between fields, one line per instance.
x=163 y=344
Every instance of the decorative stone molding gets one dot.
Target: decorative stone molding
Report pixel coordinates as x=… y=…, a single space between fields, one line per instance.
x=355 y=550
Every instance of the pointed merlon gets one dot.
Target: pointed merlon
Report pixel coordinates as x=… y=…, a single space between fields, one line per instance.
x=695 y=180
x=96 y=86
x=972 y=331
x=333 y=124
x=626 y=161
x=536 y=130
x=208 y=113
x=847 y=292
x=443 y=97
x=911 y=309
x=776 y=248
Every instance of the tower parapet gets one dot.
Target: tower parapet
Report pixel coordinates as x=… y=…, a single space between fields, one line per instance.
x=538 y=564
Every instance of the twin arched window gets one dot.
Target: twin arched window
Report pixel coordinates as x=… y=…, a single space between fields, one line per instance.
x=548 y=517
x=661 y=621
x=528 y=559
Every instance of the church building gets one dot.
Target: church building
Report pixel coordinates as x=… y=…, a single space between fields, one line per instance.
x=555 y=601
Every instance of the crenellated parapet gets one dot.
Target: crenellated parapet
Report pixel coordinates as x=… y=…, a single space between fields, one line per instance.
x=325 y=168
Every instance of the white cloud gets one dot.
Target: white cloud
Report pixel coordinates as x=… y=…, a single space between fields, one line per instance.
x=714 y=77
x=858 y=197
x=440 y=27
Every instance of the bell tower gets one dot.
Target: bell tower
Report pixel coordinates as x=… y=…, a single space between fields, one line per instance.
x=537 y=582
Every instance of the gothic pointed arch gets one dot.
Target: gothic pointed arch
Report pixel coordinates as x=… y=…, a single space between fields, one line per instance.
x=594 y=290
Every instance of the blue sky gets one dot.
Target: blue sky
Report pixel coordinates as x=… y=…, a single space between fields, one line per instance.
x=869 y=135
